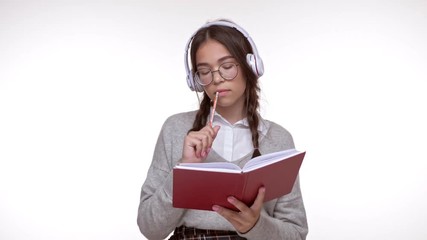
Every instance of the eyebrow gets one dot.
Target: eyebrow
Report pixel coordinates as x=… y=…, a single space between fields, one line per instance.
x=218 y=61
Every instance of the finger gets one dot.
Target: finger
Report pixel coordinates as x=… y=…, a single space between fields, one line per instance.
x=216 y=130
x=205 y=144
x=259 y=201
x=206 y=141
x=238 y=204
x=195 y=143
x=208 y=130
x=202 y=143
x=230 y=215
x=212 y=132
x=205 y=137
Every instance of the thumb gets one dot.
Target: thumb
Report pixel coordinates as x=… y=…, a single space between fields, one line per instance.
x=216 y=129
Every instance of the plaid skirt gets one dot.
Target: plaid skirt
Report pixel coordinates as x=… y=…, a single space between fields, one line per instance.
x=189 y=233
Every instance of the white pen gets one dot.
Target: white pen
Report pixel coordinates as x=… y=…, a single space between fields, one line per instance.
x=213 y=108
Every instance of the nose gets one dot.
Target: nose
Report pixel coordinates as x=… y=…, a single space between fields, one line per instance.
x=217 y=78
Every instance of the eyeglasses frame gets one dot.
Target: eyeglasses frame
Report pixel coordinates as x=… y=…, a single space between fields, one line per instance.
x=197 y=79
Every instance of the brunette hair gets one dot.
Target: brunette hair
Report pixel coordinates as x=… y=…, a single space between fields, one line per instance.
x=237 y=44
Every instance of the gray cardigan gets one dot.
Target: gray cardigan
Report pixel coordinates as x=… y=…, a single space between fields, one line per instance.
x=282 y=218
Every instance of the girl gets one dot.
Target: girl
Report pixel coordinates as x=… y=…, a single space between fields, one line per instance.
x=225 y=62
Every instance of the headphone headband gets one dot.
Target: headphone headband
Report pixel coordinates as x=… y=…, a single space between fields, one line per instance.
x=254 y=60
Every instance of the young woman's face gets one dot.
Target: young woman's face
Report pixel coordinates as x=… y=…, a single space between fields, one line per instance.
x=211 y=54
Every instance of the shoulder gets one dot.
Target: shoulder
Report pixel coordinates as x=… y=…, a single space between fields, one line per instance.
x=277 y=129
x=277 y=137
x=179 y=122
x=181 y=118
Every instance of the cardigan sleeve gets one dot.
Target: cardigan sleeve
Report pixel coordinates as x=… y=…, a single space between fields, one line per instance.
x=157 y=218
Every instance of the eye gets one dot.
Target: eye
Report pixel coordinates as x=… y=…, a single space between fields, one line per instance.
x=203 y=71
x=228 y=65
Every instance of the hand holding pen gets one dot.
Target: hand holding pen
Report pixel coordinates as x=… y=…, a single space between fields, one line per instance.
x=197 y=144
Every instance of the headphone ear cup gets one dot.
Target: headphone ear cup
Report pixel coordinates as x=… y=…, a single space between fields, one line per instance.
x=256 y=64
x=190 y=82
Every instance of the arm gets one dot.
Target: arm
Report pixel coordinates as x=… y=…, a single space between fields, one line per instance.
x=156 y=216
x=288 y=220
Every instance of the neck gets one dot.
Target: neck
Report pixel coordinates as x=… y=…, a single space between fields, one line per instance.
x=232 y=114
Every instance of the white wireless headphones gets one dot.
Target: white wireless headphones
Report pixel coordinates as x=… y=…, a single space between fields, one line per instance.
x=254 y=60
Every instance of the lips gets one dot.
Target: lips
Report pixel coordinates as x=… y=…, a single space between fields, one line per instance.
x=222 y=92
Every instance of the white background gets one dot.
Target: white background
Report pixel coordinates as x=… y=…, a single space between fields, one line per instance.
x=86 y=85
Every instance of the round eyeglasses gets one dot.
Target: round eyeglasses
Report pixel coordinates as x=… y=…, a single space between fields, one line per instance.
x=228 y=71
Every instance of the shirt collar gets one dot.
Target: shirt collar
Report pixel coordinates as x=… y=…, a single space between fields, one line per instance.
x=262 y=126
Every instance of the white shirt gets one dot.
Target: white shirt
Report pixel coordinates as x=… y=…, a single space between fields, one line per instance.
x=234 y=141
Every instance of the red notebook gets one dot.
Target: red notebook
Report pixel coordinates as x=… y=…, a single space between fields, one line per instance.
x=202 y=185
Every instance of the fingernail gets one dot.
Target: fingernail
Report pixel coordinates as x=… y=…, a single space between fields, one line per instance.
x=215 y=208
x=230 y=199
